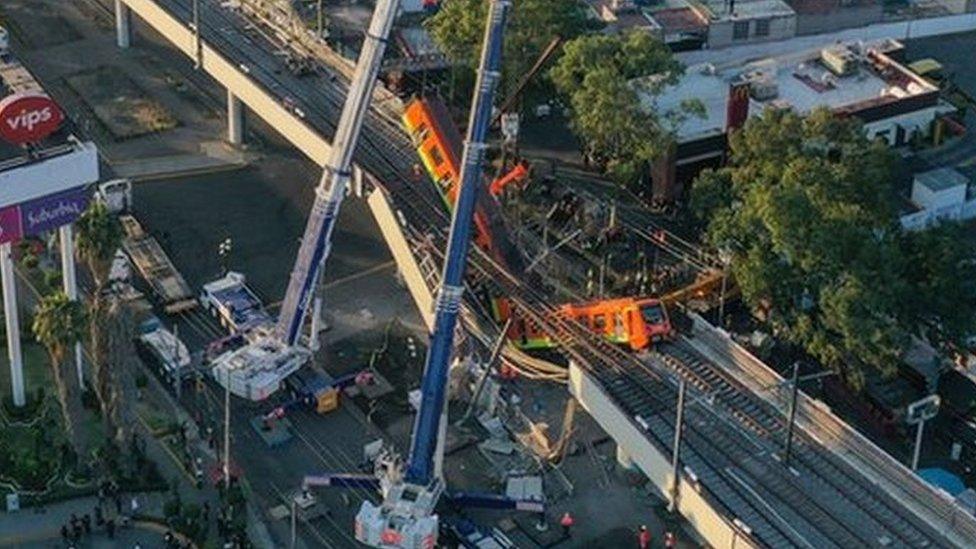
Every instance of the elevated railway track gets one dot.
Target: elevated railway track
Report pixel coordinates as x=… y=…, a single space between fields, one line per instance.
x=824 y=503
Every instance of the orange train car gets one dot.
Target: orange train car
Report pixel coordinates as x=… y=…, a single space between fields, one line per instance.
x=636 y=323
x=439 y=144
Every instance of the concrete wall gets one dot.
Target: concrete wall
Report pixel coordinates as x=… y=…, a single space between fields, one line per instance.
x=844 y=17
x=919 y=122
x=780 y=28
x=718 y=530
x=929 y=217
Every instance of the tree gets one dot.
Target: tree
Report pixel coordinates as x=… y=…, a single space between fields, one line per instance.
x=602 y=75
x=459 y=27
x=58 y=324
x=805 y=206
x=111 y=331
x=99 y=236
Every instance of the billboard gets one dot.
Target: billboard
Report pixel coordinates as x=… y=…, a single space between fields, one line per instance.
x=50 y=212
x=28 y=117
x=42 y=214
x=10 y=227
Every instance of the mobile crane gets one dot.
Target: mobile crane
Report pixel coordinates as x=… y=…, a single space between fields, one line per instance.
x=257 y=369
x=411 y=491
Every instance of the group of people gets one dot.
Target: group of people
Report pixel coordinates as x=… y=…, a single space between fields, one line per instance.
x=78 y=527
x=644 y=537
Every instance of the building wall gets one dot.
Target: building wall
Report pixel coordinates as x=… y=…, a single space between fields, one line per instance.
x=844 y=17
x=721 y=33
x=919 y=122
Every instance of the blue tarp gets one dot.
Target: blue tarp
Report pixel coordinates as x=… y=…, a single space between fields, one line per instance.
x=943 y=479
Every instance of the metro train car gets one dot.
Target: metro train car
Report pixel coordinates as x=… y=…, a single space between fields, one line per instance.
x=635 y=323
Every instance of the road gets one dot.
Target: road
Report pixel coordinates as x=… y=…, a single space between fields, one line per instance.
x=777 y=518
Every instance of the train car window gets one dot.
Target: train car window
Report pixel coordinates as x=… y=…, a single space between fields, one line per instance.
x=618 y=324
x=435 y=155
x=653 y=314
x=599 y=323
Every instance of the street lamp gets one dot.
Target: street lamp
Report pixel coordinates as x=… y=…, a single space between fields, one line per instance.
x=794 y=382
x=223 y=251
x=918 y=413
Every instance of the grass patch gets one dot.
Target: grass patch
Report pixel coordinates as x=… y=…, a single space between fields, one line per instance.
x=120 y=104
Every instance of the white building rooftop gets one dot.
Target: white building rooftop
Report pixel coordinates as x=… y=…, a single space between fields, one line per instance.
x=800 y=81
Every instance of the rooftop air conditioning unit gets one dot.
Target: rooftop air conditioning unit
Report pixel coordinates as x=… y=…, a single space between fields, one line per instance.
x=840 y=60
x=763 y=89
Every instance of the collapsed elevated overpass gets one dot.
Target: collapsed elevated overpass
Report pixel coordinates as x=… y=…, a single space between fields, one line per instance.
x=730 y=489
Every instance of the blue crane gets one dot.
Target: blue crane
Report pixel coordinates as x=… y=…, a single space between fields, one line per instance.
x=406 y=518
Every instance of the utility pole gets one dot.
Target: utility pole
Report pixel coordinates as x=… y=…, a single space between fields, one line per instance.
x=319 y=18
x=294 y=512
x=676 y=447
x=196 y=33
x=495 y=351
x=792 y=416
x=177 y=378
x=726 y=258
x=227 y=429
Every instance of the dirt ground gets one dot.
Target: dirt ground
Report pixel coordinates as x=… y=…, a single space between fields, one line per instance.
x=120 y=104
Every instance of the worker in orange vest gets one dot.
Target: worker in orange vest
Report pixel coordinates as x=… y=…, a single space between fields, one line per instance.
x=644 y=537
x=566 y=522
x=670 y=542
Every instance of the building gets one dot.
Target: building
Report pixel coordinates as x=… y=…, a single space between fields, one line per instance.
x=44 y=171
x=940 y=194
x=851 y=79
x=819 y=16
x=736 y=22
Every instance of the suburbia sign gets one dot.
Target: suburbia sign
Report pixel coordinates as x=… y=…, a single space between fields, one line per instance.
x=28 y=118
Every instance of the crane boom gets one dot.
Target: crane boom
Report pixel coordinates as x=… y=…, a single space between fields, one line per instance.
x=420 y=465
x=317 y=241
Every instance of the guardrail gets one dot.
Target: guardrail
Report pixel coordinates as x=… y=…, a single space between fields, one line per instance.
x=817 y=420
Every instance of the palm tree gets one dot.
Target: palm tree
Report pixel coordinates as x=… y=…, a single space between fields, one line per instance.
x=112 y=329
x=99 y=236
x=58 y=324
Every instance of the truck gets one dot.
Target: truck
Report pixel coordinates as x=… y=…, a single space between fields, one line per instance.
x=156 y=268
x=234 y=304
x=163 y=352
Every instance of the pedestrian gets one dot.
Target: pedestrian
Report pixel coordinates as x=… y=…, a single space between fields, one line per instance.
x=134 y=505
x=64 y=532
x=86 y=523
x=643 y=537
x=99 y=516
x=168 y=538
x=73 y=520
x=76 y=532
x=670 y=541
x=110 y=529
x=566 y=522
x=118 y=504
x=206 y=511
x=137 y=546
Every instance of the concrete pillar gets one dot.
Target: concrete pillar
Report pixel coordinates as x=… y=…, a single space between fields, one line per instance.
x=123 y=22
x=235 y=119
x=71 y=285
x=13 y=325
x=624 y=459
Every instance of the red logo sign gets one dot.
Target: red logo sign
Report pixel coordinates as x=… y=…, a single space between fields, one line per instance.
x=28 y=118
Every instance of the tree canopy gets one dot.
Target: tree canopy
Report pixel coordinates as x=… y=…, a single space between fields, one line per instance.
x=598 y=74
x=805 y=209
x=459 y=26
x=99 y=237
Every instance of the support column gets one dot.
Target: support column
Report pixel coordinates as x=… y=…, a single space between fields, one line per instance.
x=13 y=325
x=123 y=21
x=235 y=119
x=71 y=285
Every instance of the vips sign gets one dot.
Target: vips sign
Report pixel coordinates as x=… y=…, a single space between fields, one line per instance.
x=41 y=215
x=28 y=118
